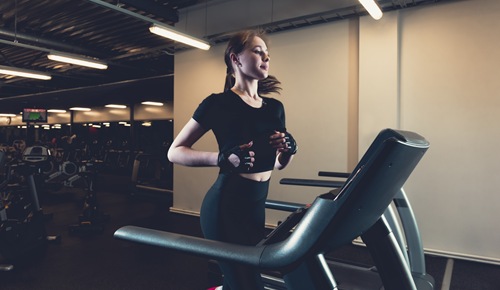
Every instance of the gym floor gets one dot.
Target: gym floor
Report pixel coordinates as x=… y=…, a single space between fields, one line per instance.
x=99 y=261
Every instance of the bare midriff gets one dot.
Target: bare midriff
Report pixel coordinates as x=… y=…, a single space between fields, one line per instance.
x=257 y=176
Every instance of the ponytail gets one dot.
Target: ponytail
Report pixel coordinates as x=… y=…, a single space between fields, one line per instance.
x=229 y=83
x=269 y=85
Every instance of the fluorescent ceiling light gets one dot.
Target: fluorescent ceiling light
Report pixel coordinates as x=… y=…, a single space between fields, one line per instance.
x=158 y=27
x=152 y=103
x=26 y=73
x=116 y=106
x=178 y=36
x=80 y=109
x=7 y=115
x=372 y=8
x=56 y=111
x=78 y=60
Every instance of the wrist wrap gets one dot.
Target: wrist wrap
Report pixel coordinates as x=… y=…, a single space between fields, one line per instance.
x=291 y=144
x=244 y=157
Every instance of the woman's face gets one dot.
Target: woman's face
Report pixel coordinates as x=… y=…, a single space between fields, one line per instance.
x=253 y=61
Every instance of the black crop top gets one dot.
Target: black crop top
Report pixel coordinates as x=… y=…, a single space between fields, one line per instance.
x=234 y=123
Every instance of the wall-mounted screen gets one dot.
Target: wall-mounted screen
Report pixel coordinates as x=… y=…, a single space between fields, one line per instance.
x=34 y=115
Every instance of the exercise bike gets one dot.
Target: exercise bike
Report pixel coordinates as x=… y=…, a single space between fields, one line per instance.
x=22 y=221
x=81 y=174
x=92 y=219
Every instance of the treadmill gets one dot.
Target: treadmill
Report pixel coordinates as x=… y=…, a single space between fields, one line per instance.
x=351 y=275
x=332 y=220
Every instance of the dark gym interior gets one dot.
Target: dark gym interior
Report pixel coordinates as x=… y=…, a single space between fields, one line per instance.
x=60 y=210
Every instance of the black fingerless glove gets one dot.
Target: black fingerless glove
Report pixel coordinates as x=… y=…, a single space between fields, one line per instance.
x=291 y=144
x=243 y=154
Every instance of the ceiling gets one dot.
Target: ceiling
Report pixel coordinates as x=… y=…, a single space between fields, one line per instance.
x=140 y=64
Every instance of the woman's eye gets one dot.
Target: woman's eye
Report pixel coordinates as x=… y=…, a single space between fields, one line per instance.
x=260 y=52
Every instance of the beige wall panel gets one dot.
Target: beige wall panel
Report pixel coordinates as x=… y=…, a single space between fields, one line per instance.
x=451 y=94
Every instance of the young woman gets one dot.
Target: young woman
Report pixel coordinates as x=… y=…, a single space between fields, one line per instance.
x=253 y=140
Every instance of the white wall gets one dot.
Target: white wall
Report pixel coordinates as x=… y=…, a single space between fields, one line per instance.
x=450 y=92
x=198 y=73
x=434 y=70
x=431 y=69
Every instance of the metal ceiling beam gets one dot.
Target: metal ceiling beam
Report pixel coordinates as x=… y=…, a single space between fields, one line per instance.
x=47 y=43
x=48 y=50
x=73 y=90
x=135 y=15
x=128 y=12
x=154 y=8
x=18 y=44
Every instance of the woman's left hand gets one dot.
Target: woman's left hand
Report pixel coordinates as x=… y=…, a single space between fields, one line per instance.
x=283 y=142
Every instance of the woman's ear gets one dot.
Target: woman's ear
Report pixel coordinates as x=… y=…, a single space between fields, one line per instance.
x=234 y=59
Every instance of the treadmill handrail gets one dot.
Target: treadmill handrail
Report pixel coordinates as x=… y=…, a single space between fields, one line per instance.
x=312 y=182
x=283 y=205
x=334 y=174
x=412 y=233
x=280 y=255
x=248 y=255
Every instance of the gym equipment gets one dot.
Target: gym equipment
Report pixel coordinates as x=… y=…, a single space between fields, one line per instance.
x=92 y=218
x=41 y=155
x=19 y=146
x=118 y=156
x=3 y=211
x=75 y=174
x=296 y=247
x=22 y=223
x=70 y=173
x=66 y=175
x=150 y=179
x=408 y=238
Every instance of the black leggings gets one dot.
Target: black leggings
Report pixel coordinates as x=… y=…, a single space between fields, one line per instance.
x=233 y=211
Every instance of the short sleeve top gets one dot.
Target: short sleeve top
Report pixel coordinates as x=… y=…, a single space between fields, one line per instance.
x=234 y=122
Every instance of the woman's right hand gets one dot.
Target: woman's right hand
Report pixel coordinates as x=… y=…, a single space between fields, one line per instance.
x=237 y=157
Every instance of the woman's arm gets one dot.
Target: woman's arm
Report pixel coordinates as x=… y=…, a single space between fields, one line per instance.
x=285 y=146
x=282 y=160
x=181 y=151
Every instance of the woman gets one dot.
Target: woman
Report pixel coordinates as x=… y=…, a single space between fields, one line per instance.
x=252 y=139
